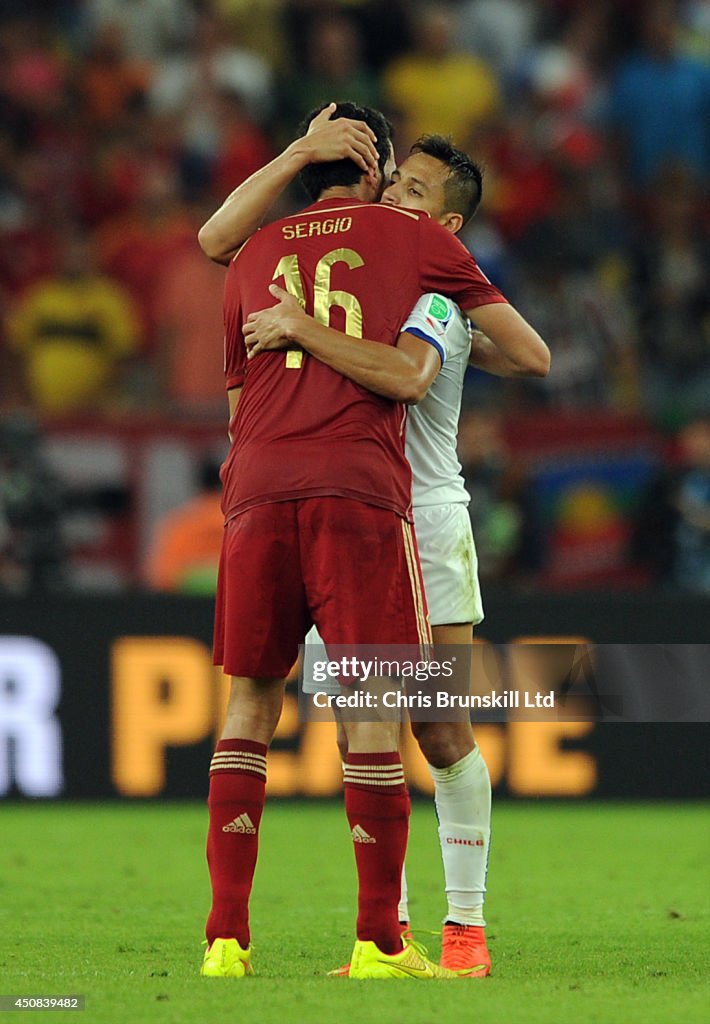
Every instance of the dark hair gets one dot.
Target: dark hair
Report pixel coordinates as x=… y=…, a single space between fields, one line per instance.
x=316 y=178
x=464 y=186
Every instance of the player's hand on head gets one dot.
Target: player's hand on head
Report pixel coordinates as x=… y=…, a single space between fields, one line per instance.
x=341 y=139
x=322 y=118
x=268 y=329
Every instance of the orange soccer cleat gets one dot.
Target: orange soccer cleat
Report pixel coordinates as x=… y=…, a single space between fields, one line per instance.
x=464 y=950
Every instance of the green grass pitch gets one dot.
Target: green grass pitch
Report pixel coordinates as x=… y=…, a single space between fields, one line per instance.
x=597 y=913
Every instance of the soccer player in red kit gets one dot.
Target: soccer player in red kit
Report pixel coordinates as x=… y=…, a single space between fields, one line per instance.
x=317 y=504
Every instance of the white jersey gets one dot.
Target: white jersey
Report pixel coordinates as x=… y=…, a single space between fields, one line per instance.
x=432 y=425
x=446 y=548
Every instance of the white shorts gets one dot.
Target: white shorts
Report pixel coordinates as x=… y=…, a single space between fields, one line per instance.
x=449 y=564
x=450 y=569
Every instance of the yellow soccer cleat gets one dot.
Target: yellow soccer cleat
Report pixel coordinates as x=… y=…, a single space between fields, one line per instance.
x=225 y=958
x=344 y=971
x=368 y=961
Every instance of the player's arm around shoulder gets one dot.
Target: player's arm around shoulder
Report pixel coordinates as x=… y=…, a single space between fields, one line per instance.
x=402 y=372
x=422 y=365
x=241 y=214
x=434 y=331
x=506 y=344
x=446 y=264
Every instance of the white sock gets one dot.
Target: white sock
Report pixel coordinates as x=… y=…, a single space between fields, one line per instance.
x=462 y=794
x=403 y=908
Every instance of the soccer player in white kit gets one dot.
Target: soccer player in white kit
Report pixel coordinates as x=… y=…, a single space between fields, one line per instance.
x=449 y=566
x=444 y=182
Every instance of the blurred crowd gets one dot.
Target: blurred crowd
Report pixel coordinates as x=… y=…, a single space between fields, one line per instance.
x=124 y=123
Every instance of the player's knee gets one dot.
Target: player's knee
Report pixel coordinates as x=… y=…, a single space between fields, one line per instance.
x=443 y=743
x=371 y=737
x=253 y=709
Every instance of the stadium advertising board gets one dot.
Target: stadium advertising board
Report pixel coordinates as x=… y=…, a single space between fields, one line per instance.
x=117 y=697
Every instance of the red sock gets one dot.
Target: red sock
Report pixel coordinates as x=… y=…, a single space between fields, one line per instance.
x=236 y=801
x=377 y=806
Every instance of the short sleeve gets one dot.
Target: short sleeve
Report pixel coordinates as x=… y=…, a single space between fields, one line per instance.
x=446 y=266
x=430 y=320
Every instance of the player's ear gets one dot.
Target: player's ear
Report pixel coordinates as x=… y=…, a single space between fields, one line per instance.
x=453 y=222
x=372 y=177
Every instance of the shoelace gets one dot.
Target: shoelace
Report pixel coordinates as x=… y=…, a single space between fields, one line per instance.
x=419 y=946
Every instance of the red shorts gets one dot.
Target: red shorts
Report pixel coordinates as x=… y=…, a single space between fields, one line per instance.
x=350 y=568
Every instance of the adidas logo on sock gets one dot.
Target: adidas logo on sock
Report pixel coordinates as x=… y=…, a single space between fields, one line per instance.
x=242 y=824
x=361 y=836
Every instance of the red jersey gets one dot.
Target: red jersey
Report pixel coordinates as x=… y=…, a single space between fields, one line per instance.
x=302 y=430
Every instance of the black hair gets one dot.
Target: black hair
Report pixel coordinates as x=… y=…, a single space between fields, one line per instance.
x=464 y=186
x=316 y=178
